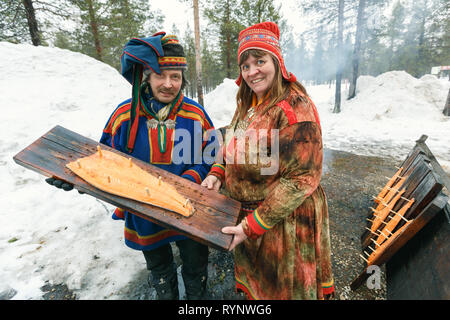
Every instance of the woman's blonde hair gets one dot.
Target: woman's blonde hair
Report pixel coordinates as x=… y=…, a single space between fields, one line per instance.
x=279 y=90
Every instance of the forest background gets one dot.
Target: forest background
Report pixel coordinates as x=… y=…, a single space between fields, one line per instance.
x=342 y=39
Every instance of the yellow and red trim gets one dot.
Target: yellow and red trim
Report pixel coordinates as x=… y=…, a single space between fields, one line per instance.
x=194 y=174
x=241 y=285
x=328 y=287
x=256 y=224
x=218 y=170
x=133 y=236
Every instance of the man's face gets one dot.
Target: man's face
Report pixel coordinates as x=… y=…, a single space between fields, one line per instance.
x=165 y=86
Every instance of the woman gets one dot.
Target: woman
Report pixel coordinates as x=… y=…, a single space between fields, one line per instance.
x=282 y=242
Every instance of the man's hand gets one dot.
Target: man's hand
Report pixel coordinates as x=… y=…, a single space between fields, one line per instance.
x=211 y=182
x=60 y=184
x=239 y=235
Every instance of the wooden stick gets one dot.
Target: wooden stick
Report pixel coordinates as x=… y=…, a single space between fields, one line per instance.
x=391 y=181
x=159 y=180
x=364 y=258
x=392 y=212
x=99 y=151
x=386 y=243
x=381 y=199
x=396 y=219
x=384 y=212
x=396 y=189
x=375 y=242
x=374 y=220
x=390 y=194
x=130 y=163
x=377 y=234
x=109 y=179
x=79 y=164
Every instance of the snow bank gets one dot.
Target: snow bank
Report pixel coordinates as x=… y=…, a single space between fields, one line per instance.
x=221 y=103
x=389 y=113
x=397 y=95
x=47 y=234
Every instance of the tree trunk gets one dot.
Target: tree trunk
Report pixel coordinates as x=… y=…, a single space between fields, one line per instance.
x=337 y=96
x=447 y=105
x=198 y=58
x=228 y=43
x=357 y=48
x=32 y=23
x=94 y=28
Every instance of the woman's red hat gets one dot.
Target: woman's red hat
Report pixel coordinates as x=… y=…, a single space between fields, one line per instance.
x=263 y=36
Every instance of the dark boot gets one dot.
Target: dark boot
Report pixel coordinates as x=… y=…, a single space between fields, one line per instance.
x=163 y=272
x=166 y=285
x=195 y=268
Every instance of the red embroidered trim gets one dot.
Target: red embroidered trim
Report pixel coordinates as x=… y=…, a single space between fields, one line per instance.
x=288 y=111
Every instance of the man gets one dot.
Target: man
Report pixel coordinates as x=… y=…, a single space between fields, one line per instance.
x=151 y=126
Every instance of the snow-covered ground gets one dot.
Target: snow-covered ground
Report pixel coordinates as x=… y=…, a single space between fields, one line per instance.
x=65 y=237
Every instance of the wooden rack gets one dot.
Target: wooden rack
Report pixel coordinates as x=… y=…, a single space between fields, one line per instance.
x=412 y=197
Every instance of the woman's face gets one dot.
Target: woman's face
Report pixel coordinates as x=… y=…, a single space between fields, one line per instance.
x=258 y=73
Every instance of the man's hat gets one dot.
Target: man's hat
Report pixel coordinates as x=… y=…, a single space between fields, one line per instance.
x=263 y=36
x=174 y=57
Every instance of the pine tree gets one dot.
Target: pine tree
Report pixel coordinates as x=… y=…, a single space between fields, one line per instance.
x=225 y=26
x=13 y=22
x=188 y=43
x=32 y=22
x=395 y=29
x=19 y=21
x=103 y=28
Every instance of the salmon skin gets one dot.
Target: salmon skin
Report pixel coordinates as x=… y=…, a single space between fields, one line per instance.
x=115 y=174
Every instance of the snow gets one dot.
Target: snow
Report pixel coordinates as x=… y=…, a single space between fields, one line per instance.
x=63 y=237
x=388 y=114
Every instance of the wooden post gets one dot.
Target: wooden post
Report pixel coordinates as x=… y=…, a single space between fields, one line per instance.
x=360 y=25
x=446 y=111
x=337 y=95
x=198 y=57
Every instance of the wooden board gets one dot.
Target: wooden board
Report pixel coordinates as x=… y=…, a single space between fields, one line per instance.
x=49 y=155
x=419 y=270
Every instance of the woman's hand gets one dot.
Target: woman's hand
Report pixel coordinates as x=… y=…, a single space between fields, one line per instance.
x=239 y=235
x=212 y=182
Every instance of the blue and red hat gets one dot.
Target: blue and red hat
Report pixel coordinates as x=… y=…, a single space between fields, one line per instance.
x=155 y=53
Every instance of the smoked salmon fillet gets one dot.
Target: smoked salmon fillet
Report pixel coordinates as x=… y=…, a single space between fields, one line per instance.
x=113 y=173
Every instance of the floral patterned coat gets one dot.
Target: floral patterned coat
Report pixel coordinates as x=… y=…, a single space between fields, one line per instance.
x=284 y=208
